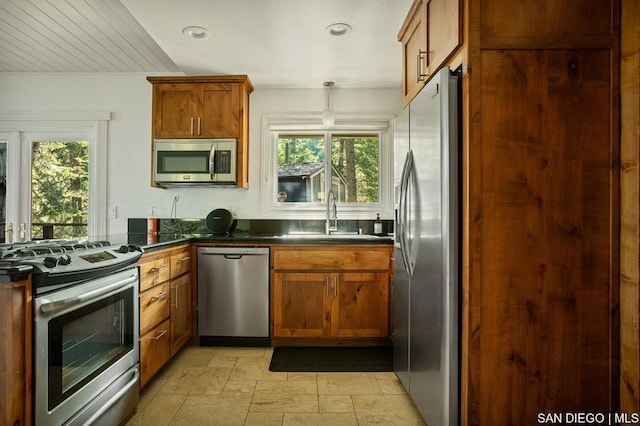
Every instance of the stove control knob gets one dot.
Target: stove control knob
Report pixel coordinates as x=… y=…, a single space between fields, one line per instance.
x=65 y=259
x=50 y=262
x=123 y=249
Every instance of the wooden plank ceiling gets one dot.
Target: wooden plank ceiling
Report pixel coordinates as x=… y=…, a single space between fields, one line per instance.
x=76 y=36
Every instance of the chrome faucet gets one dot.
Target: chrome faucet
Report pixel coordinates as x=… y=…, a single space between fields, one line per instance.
x=331 y=224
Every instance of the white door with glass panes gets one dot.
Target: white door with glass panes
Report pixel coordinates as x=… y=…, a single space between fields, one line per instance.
x=46 y=188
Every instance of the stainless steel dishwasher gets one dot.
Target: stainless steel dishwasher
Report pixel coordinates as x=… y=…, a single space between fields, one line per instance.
x=233 y=295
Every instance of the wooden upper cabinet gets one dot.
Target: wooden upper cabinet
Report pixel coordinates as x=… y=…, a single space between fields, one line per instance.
x=413 y=36
x=174 y=108
x=429 y=35
x=199 y=110
x=199 y=107
x=515 y=24
x=443 y=32
x=204 y=107
x=220 y=115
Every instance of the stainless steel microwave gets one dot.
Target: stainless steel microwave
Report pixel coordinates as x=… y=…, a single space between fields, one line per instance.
x=183 y=162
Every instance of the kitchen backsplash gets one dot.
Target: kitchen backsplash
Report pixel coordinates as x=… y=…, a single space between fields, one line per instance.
x=254 y=227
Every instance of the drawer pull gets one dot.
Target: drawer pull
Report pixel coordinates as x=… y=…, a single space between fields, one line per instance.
x=158 y=296
x=335 y=286
x=162 y=333
x=157 y=268
x=184 y=259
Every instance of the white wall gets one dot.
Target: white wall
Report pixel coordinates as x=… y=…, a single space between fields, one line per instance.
x=128 y=98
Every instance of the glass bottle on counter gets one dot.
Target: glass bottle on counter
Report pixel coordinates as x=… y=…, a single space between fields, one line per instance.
x=377 y=225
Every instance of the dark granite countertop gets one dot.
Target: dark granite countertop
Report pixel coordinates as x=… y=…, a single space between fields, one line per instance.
x=11 y=272
x=167 y=241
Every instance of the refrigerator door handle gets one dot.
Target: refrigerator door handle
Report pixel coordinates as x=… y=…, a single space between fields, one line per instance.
x=402 y=214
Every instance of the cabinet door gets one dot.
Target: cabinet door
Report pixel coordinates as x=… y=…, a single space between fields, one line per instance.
x=180 y=307
x=154 y=351
x=301 y=304
x=15 y=353
x=413 y=37
x=360 y=305
x=443 y=32
x=175 y=109
x=220 y=114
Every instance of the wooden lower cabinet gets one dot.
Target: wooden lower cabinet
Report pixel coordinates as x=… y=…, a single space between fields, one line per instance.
x=180 y=312
x=360 y=305
x=165 y=307
x=301 y=304
x=331 y=303
x=15 y=353
x=155 y=351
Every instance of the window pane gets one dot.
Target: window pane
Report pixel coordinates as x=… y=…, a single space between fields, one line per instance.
x=355 y=160
x=301 y=168
x=59 y=189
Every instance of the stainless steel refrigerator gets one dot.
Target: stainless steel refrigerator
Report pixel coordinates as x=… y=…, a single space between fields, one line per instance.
x=426 y=290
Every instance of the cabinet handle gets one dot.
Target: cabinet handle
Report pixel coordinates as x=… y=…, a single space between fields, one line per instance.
x=191 y=127
x=335 y=286
x=157 y=268
x=175 y=296
x=162 y=333
x=198 y=125
x=421 y=57
x=184 y=259
x=327 y=285
x=158 y=296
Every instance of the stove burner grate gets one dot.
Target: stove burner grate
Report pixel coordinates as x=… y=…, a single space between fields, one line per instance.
x=34 y=249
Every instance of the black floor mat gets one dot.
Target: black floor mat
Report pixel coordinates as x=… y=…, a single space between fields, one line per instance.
x=327 y=359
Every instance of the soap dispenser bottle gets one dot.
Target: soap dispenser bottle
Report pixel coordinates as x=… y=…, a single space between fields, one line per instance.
x=377 y=225
x=152 y=227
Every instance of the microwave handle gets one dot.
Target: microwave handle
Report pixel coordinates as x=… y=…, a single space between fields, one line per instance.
x=212 y=157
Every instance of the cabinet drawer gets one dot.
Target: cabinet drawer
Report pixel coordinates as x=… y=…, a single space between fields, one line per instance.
x=154 y=306
x=332 y=259
x=180 y=263
x=154 y=351
x=152 y=273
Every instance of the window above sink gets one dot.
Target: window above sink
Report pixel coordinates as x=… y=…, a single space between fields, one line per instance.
x=304 y=161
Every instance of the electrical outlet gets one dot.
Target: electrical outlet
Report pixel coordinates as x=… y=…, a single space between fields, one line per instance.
x=113 y=212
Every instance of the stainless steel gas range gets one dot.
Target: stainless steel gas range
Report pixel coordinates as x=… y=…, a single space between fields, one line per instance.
x=85 y=329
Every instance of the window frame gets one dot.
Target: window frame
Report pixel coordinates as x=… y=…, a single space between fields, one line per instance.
x=272 y=126
x=20 y=129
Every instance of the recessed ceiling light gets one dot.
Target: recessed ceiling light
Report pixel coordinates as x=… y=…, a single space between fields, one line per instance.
x=196 y=32
x=338 y=29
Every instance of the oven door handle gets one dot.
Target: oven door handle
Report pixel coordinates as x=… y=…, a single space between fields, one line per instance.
x=50 y=308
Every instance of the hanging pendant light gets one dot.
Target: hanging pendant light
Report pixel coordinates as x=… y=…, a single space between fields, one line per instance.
x=328 y=115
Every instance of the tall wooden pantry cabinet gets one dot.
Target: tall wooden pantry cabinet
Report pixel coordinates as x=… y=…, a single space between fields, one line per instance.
x=541 y=209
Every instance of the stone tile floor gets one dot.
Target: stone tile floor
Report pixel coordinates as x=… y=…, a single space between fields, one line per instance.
x=233 y=386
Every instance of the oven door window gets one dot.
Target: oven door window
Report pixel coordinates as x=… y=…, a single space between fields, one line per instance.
x=86 y=341
x=183 y=161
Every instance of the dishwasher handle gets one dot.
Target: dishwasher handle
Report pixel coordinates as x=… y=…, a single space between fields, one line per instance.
x=233 y=256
